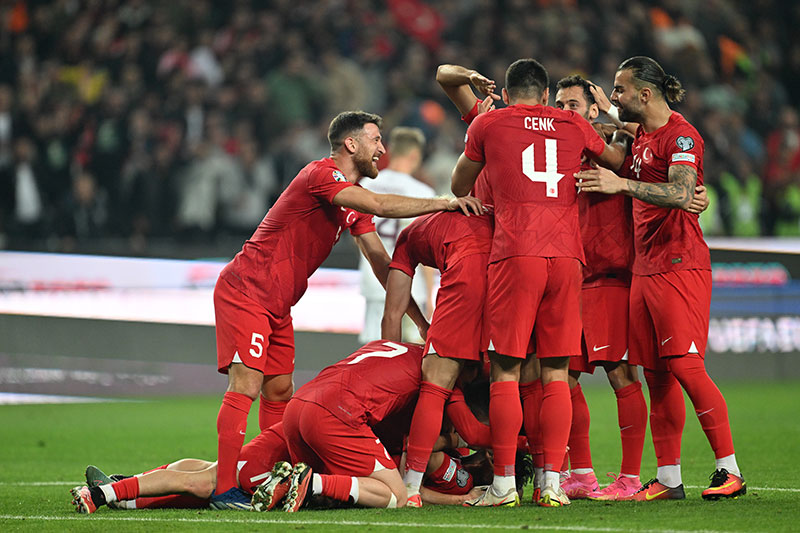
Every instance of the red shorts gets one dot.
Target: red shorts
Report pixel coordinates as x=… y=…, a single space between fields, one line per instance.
x=330 y=446
x=605 y=323
x=535 y=297
x=669 y=315
x=249 y=334
x=259 y=456
x=458 y=329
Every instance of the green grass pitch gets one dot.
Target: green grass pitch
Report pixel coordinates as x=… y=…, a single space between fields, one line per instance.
x=45 y=448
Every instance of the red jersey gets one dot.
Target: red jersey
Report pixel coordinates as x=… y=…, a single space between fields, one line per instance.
x=295 y=237
x=532 y=154
x=440 y=240
x=380 y=379
x=667 y=239
x=481 y=190
x=607 y=234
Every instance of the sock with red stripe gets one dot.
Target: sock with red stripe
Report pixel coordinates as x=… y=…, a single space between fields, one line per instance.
x=425 y=425
x=505 y=420
x=231 y=426
x=667 y=416
x=270 y=413
x=709 y=404
x=336 y=486
x=580 y=454
x=632 y=416
x=555 y=417
x=531 y=394
x=127 y=489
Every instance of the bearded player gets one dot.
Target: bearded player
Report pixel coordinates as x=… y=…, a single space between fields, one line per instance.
x=671 y=285
x=256 y=290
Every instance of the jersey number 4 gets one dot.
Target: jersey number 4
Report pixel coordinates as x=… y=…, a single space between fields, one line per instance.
x=550 y=177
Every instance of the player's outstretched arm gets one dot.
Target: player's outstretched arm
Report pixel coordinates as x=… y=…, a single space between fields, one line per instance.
x=464 y=175
x=396 y=206
x=677 y=192
x=455 y=81
x=398 y=298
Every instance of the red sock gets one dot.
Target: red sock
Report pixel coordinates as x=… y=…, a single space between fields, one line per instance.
x=270 y=413
x=127 y=489
x=667 y=416
x=555 y=417
x=580 y=455
x=336 y=486
x=709 y=404
x=172 y=501
x=531 y=403
x=632 y=416
x=162 y=467
x=231 y=425
x=425 y=425
x=505 y=420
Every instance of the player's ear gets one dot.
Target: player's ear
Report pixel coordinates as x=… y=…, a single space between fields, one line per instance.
x=545 y=96
x=594 y=111
x=505 y=96
x=351 y=145
x=645 y=94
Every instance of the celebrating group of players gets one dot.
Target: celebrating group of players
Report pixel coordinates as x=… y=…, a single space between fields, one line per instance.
x=540 y=281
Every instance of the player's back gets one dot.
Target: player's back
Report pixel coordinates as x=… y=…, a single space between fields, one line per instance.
x=531 y=155
x=379 y=379
x=440 y=240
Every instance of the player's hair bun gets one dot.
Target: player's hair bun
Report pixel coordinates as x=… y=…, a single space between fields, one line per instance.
x=672 y=88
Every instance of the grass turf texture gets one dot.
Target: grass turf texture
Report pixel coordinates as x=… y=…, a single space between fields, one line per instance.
x=46 y=448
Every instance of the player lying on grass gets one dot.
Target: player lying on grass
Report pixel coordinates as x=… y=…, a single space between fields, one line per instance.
x=160 y=487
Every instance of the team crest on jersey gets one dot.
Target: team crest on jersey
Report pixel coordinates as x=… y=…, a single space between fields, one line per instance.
x=338 y=176
x=685 y=143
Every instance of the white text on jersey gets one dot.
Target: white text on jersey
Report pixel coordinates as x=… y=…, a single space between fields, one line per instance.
x=539 y=124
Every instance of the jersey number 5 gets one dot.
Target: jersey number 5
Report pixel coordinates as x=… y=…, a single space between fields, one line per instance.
x=396 y=349
x=550 y=177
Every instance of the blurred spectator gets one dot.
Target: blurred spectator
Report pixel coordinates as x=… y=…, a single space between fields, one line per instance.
x=194 y=113
x=84 y=213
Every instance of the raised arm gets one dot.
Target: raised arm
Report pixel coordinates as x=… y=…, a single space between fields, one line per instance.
x=457 y=82
x=398 y=298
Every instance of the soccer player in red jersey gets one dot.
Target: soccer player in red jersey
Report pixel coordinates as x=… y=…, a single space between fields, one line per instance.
x=458 y=247
x=256 y=290
x=671 y=286
x=534 y=274
x=332 y=423
x=606 y=233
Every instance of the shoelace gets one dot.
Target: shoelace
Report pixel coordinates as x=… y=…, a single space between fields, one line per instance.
x=718 y=477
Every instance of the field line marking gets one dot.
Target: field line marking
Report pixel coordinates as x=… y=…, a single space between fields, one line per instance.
x=74 y=483
x=215 y=520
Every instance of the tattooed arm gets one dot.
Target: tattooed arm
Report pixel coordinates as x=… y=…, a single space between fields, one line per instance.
x=677 y=192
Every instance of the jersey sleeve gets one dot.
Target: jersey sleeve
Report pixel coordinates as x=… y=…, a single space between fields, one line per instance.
x=365 y=223
x=401 y=259
x=594 y=143
x=325 y=182
x=474 y=141
x=469 y=117
x=684 y=147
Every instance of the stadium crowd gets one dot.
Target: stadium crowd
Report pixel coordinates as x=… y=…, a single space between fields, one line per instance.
x=184 y=120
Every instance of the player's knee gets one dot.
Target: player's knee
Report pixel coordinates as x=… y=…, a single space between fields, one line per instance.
x=278 y=388
x=620 y=375
x=440 y=371
x=244 y=380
